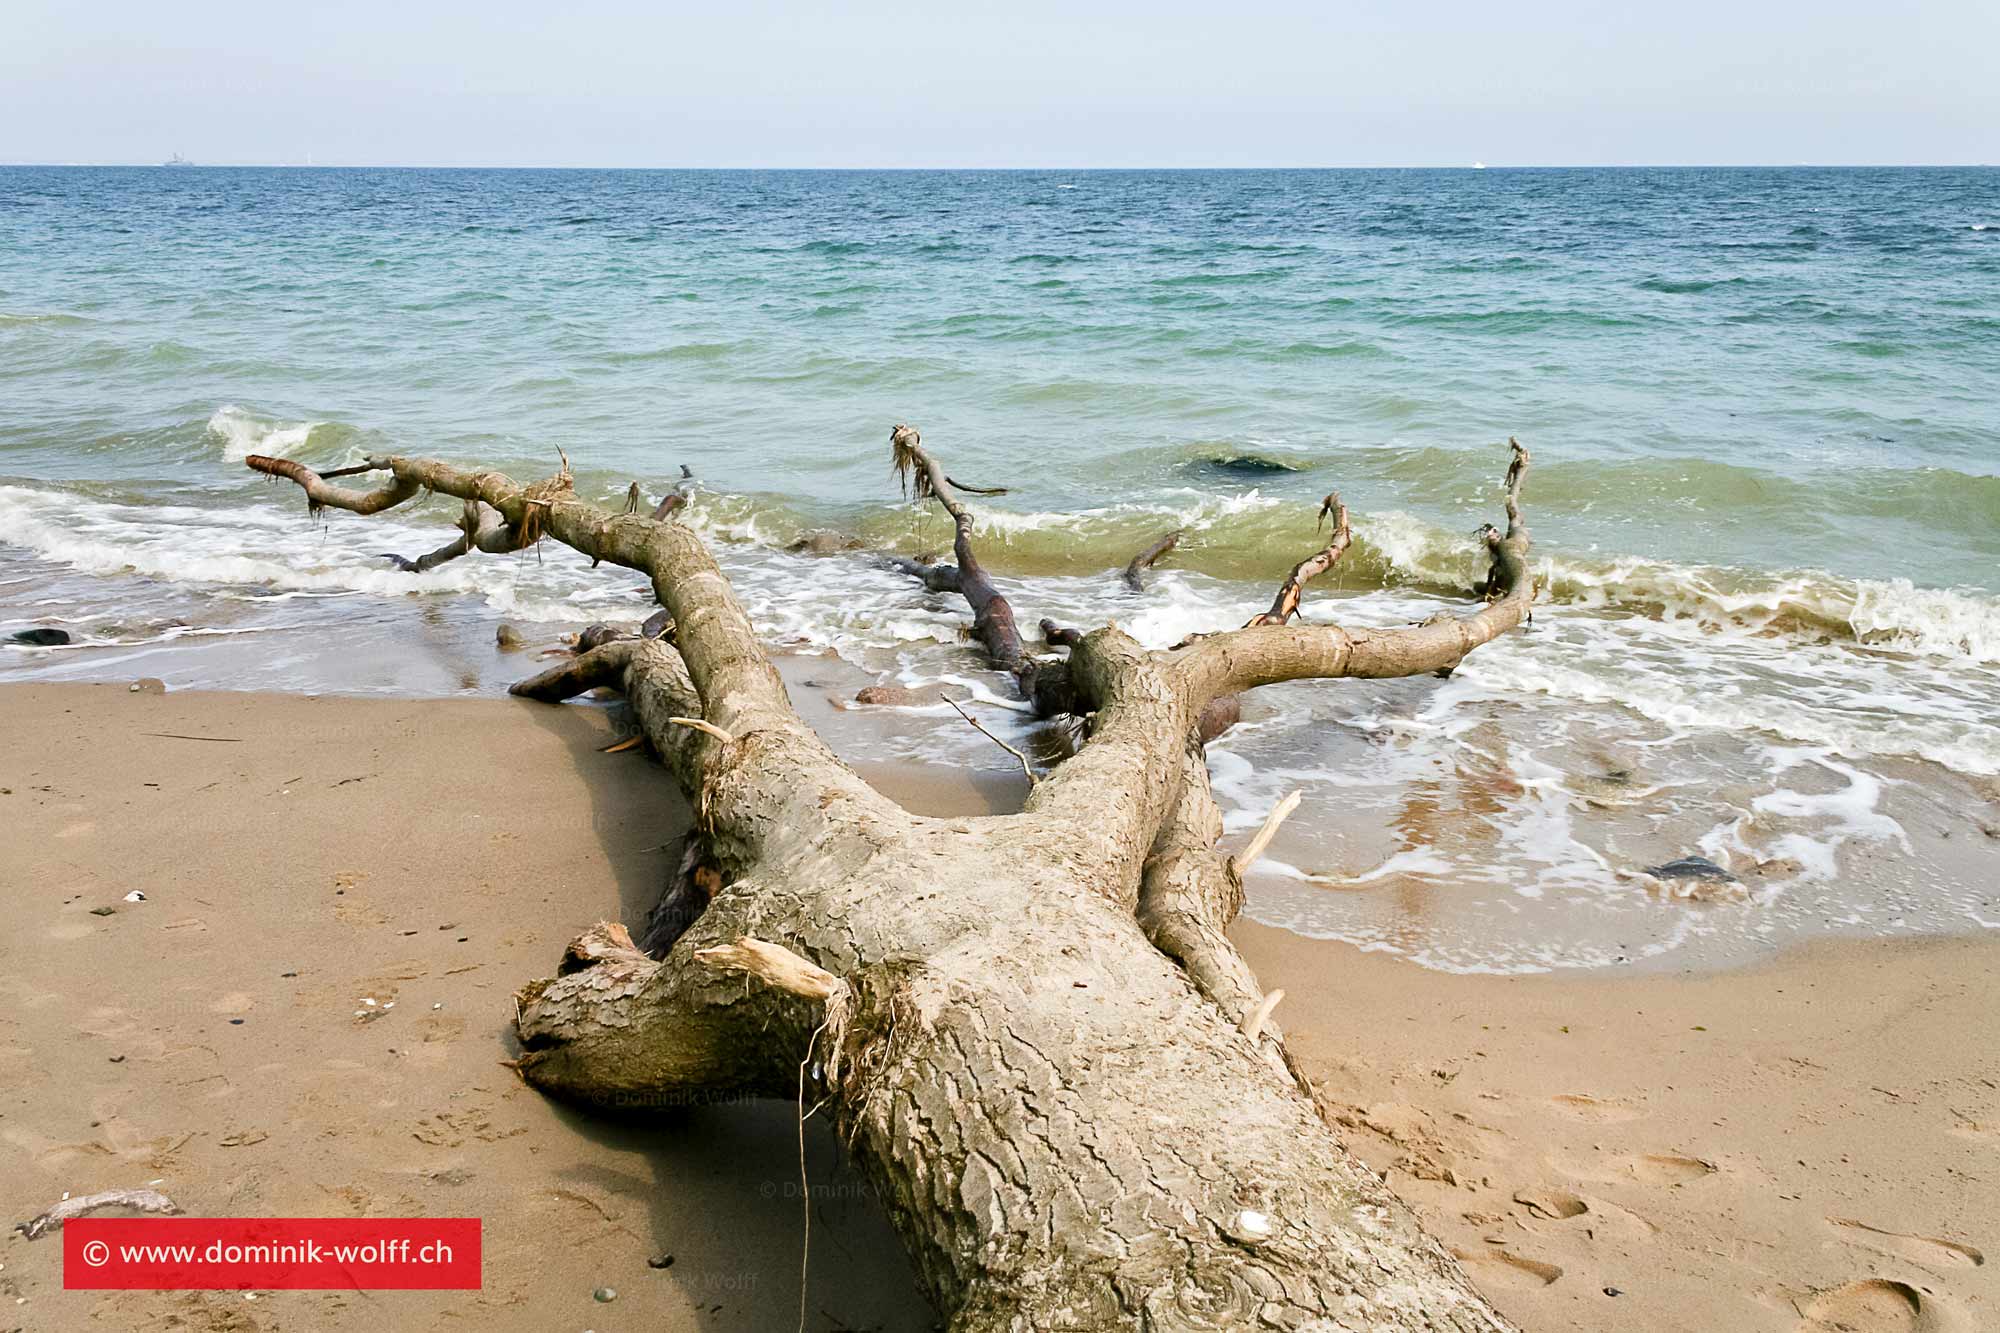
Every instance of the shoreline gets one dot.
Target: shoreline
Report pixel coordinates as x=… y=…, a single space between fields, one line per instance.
x=1745 y=1149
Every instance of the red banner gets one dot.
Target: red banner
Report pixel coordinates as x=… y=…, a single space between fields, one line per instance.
x=271 y=1253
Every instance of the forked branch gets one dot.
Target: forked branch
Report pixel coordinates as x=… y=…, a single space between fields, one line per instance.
x=1264 y=652
x=992 y=617
x=1286 y=604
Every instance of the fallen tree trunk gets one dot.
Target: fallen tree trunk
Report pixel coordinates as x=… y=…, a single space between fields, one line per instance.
x=1031 y=1029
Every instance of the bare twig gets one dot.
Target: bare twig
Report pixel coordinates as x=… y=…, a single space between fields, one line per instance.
x=355 y=471
x=1025 y=769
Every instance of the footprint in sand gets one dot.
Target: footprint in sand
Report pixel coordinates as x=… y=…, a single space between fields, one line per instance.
x=1600 y=1110
x=1646 y=1168
x=1663 y=1169
x=1926 y=1250
x=1555 y=1205
x=1877 y=1305
x=1498 y=1268
x=1979 y=1131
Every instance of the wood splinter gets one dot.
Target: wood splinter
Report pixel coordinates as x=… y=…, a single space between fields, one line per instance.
x=1240 y=863
x=774 y=965
x=1253 y=1022
x=703 y=724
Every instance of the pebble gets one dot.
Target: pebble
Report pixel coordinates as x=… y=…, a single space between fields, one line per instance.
x=149 y=685
x=605 y=1294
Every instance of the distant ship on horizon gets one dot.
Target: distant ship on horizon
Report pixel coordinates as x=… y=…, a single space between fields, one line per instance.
x=176 y=161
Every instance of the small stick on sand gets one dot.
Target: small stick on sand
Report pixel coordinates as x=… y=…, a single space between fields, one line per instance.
x=146 y=1201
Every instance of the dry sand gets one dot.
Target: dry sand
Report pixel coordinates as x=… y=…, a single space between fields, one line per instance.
x=1809 y=1145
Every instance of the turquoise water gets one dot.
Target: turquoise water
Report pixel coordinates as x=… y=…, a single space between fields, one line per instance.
x=1764 y=405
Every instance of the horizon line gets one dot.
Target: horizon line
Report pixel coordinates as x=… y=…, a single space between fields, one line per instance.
x=1461 y=166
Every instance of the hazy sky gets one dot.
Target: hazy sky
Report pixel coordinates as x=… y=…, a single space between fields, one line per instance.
x=1417 y=82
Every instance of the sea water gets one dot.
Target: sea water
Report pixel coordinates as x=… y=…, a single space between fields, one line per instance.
x=1764 y=407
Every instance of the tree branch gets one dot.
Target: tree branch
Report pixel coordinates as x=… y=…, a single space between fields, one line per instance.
x=480 y=528
x=771 y=792
x=320 y=494
x=1286 y=604
x=936 y=577
x=992 y=617
x=1264 y=653
x=1134 y=572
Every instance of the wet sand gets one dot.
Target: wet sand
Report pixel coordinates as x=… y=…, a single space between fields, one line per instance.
x=1811 y=1144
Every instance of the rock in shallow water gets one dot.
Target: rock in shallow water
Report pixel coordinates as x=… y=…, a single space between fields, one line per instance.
x=39 y=637
x=1697 y=879
x=1240 y=465
x=1691 y=867
x=897 y=696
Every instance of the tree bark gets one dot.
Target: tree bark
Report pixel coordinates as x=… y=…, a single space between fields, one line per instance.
x=1032 y=1029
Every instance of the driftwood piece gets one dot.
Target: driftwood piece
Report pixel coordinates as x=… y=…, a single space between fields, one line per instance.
x=1055 y=1069
x=1135 y=572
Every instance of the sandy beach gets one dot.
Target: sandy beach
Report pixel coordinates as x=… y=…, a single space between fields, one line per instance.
x=309 y=1014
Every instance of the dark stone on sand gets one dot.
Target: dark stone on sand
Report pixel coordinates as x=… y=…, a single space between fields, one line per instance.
x=39 y=637
x=1691 y=867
